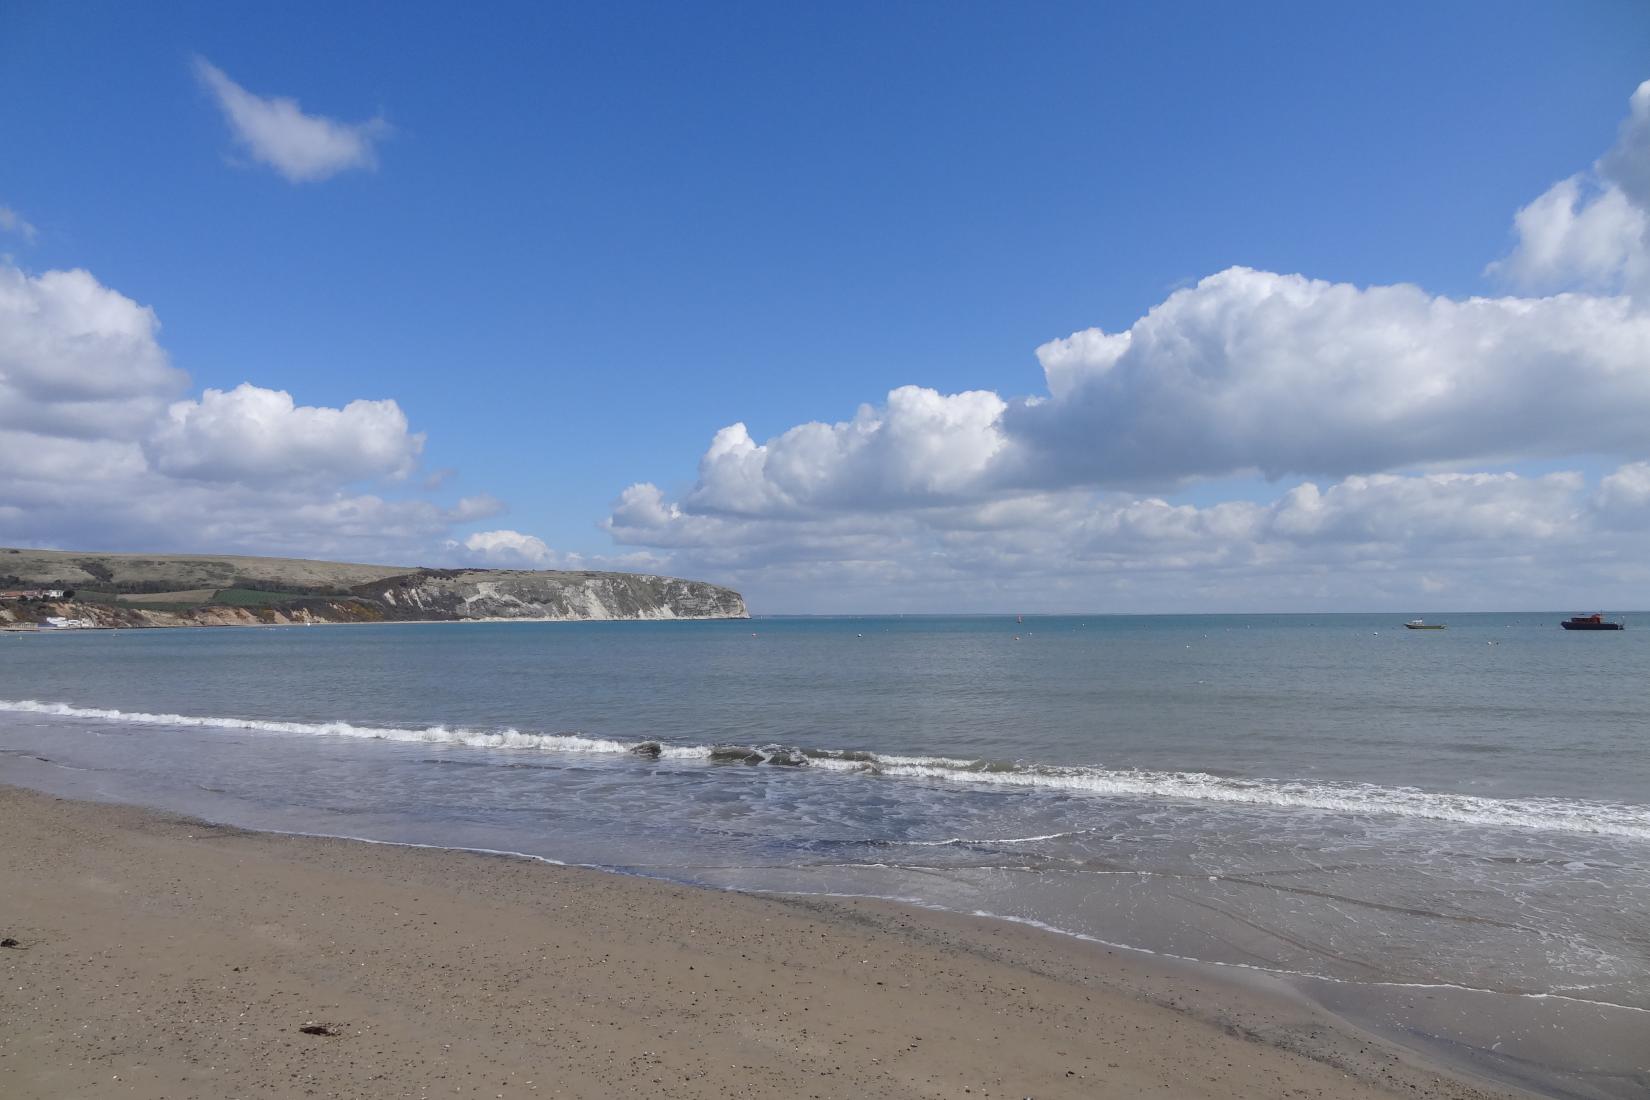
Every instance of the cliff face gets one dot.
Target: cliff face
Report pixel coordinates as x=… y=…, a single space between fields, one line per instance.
x=513 y=594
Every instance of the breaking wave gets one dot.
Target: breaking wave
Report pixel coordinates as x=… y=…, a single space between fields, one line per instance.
x=494 y=739
x=1550 y=814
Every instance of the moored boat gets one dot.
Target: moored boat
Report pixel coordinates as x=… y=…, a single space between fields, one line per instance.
x=1422 y=624
x=1595 y=621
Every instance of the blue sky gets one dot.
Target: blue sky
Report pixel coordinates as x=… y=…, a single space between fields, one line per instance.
x=594 y=236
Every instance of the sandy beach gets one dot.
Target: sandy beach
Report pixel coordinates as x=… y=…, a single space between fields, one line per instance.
x=161 y=957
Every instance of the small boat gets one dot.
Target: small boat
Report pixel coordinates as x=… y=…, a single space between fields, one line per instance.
x=1422 y=624
x=1595 y=621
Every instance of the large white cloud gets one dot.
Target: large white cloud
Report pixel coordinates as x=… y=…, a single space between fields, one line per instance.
x=1386 y=509
x=1280 y=374
x=1390 y=393
x=77 y=358
x=920 y=446
x=99 y=447
x=1247 y=372
x=1474 y=539
x=256 y=435
x=276 y=131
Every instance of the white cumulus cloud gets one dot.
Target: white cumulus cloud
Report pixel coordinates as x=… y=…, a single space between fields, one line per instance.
x=1281 y=374
x=276 y=131
x=256 y=435
x=920 y=445
x=101 y=448
x=1247 y=372
x=1592 y=229
x=510 y=548
x=77 y=358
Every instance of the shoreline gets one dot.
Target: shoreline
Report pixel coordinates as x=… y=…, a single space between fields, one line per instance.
x=178 y=956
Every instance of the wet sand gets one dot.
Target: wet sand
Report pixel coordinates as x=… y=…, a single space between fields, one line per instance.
x=163 y=957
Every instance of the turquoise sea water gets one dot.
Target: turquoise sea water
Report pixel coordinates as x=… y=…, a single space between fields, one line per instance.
x=1445 y=834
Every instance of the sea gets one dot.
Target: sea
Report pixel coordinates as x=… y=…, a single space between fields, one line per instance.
x=1441 y=836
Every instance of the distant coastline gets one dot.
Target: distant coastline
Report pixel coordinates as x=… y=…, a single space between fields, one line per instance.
x=57 y=589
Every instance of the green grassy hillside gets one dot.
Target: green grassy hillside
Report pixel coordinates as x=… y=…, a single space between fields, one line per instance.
x=138 y=574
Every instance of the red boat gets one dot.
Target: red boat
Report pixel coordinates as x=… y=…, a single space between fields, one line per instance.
x=1595 y=621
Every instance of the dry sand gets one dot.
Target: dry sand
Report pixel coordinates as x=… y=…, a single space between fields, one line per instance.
x=161 y=957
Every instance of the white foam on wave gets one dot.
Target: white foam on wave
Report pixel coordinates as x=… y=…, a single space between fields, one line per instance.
x=1555 y=814
x=964 y=842
x=1537 y=813
x=444 y=735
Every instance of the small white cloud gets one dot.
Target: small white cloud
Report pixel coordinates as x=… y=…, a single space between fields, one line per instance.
x=1577 y=233
x=276 y=131
x=13 y=222
x=480 y=506
x=1627 y=164
x=1591 y=230
x=507 y=547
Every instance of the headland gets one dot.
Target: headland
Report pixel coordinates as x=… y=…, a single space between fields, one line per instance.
x=44 y=589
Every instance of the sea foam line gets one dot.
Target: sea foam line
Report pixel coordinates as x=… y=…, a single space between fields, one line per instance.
x=968 y=842
x=444 y=735
x=1536 y=813
x=1278 y=971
